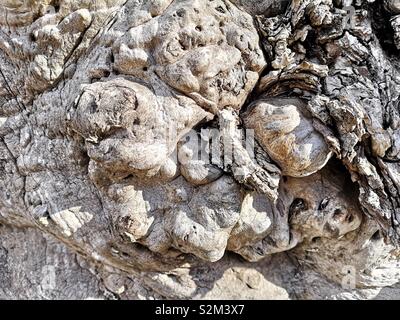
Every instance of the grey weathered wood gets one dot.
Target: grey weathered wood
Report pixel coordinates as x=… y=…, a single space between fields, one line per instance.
x=106 y=105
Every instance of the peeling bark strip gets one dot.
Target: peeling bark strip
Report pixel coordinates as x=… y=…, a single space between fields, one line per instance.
x=151 y=137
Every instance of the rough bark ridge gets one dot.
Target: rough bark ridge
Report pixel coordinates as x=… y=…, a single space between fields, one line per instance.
x=199 y=148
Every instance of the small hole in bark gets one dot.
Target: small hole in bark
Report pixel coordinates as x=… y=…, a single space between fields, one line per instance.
x=349 y=218
x=107 y=73
x=199 y=28
x=315 y=239
x=296 y=207
x=128 y=177
x=376 y=236
x=298 y=204
x=183 y=47
x=324 y=203
x=124 y=254
x=145 y=69
x=220 y=9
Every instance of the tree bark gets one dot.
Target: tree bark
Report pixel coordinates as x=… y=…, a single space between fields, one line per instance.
x=199 y=149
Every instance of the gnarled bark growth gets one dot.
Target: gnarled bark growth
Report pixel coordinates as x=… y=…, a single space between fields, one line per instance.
x=154 y=138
